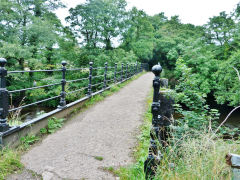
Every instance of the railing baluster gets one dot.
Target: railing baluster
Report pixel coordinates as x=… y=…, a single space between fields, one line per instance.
x=126 y=71
x=90 y=79
x=115 y=73
x=4 y=97
x=62 y=103
x=136 y=68
x=105 y=76
x=130 y=70
x=122 y=73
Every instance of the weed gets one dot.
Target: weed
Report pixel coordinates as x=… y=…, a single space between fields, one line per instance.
x=109 y=169
x=54 y=124
x=43 y=131
x=28 y=140
x=99 y=158
x=9 y=162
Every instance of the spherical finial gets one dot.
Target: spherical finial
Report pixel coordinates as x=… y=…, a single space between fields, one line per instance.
x=106 y=63
x=90 y=63
x=3 y=61
x=157 y=69
x=64 y=63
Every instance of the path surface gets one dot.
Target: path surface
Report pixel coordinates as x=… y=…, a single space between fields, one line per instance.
x=106 y=130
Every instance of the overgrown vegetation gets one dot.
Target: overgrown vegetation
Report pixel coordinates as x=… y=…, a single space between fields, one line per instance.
x=9 y=162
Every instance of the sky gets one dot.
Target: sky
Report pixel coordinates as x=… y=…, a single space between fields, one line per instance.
x=196 y=12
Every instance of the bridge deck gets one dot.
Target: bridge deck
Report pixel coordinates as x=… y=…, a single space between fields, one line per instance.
x=107 y=130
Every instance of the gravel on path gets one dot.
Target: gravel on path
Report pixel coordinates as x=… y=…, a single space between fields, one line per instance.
x=103 y=136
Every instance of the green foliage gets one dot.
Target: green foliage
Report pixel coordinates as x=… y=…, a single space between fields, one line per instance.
x=28 y=140
x=9 y=162
x=54 y=124
x=98 y=21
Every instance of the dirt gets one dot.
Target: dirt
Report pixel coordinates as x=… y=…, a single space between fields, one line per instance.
x=101 y=137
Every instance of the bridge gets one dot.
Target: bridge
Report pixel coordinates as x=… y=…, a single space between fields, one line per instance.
x=91 y=141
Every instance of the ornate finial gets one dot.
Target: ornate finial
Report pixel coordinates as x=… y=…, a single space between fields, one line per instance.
x=157 y=69
x=3 y=61
x=64 y=63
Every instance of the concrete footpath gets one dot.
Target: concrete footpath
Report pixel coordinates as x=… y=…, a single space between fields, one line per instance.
x=103 y=136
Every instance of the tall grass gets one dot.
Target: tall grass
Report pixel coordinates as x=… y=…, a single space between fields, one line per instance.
x=197 y=158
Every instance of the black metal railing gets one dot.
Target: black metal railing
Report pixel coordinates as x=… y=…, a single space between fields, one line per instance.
x=92 y=78
x=162 y=112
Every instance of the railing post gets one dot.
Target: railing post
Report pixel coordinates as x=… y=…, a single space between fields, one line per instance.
x=122 y=73
x=136 y=68
x=90 y=79
x=4 y=97
x=105 y=76
x=154 y=156
x=62 y=103
x=130 y=70
x=141 y=67
x=126 y=76
x=115 y=73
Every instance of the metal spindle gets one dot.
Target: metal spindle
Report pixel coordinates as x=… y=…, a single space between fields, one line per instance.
x=122 y=73
x=90 y=79
x=4 y=97
x=62 y=103
x=105 y=76
x=126 y=76
x=136 y=70
x=115 y=73
x=130 y=70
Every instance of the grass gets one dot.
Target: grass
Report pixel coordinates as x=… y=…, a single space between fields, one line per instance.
x=10 y=158
x=9 y=162
x=198 y=158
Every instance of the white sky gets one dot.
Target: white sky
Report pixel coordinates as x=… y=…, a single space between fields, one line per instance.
x=190 y=11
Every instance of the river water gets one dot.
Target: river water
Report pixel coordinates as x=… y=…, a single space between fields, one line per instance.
x=28 y=114
x=234 y=118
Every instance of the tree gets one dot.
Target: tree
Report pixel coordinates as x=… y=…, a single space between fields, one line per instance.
x=139 y=35
x=98 y=21
x=219 y=30
x=28 y=26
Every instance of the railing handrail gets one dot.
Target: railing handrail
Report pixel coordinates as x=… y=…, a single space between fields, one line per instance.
x=111 y=75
